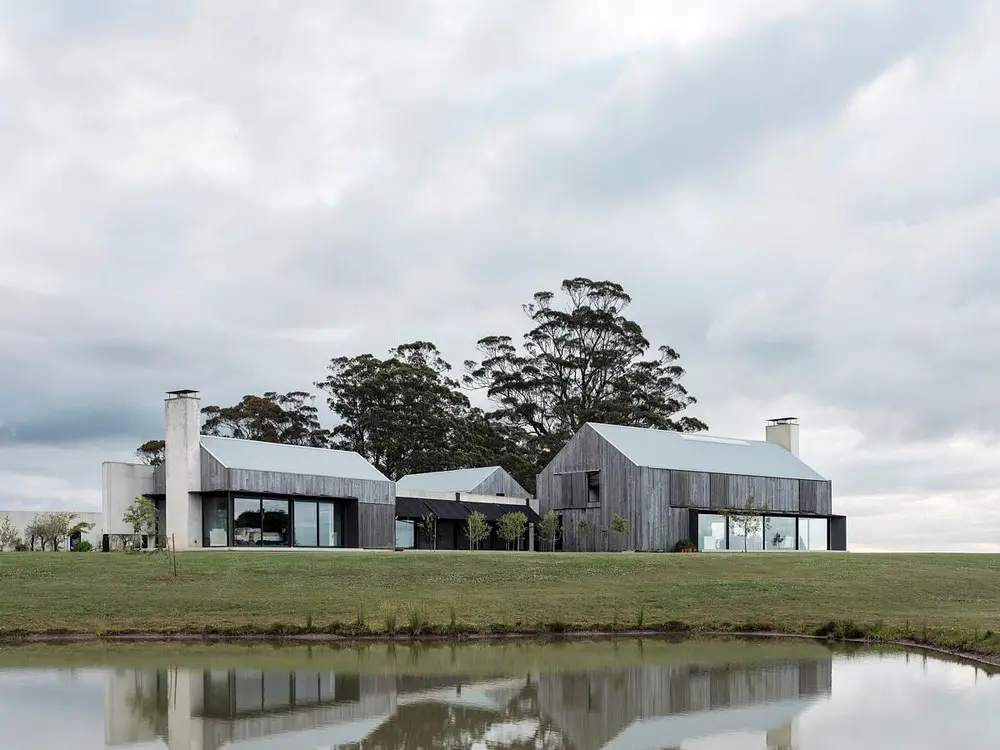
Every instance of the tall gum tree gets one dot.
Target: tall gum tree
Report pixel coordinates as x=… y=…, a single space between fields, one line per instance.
x=584 y=361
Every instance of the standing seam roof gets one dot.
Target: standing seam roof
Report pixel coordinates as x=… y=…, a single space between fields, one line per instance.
x=663 y=449
x=255 y=455
x=457 y=480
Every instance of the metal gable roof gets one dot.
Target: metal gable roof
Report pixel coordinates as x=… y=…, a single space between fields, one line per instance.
x=254 y=455
x=457 y=480
x=664 y=449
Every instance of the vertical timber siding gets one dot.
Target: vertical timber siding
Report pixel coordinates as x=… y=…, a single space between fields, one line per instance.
x=217 y=478
x=500 y=482
x=377 y=525
x=655 y=502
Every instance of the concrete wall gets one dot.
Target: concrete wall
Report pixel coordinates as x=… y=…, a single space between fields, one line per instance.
x=21 y=518
x=182 y=458
x=121 y=484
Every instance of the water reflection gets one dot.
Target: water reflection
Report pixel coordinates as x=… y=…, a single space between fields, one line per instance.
x=612 y=709
x=631 y=695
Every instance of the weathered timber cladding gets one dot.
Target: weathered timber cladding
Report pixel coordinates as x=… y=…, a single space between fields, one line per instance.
x=160 y=480
x=655 y=502
x=216 y=477
x=815 y=497
x=500 y=483
x=591 y=709
x=376 y=525
x=619 y=479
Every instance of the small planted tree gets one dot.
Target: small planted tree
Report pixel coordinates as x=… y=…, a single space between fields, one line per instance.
x=747 y=520
x=140 y=516
x=619 y=525
x=548 y=530
x=511 y=528
x=477 y=528
x=9 y=536
x=428 y=527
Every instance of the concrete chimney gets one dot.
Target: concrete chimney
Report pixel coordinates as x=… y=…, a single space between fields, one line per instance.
x=182 y=459
x=785 y=432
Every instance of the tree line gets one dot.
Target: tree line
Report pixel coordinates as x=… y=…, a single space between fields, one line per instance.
x=582 y=360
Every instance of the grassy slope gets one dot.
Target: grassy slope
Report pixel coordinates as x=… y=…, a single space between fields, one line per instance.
x=948 y=599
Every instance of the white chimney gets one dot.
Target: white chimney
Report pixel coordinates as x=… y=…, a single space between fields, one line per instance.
x=785 y=432
x=182 y=460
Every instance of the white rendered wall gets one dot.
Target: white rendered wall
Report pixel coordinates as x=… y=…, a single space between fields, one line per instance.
x=21 y=518
x=182 y=457
x=785 y=435
x=121 y=484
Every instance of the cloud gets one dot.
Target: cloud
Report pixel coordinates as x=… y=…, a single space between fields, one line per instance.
x=799 y=195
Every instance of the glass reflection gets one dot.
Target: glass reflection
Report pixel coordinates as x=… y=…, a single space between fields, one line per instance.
x=306 y=528
x=752 y=542
x=247 y=528
x=711 y=532
x=813 y=534
x=276 y=523
x=779 y=533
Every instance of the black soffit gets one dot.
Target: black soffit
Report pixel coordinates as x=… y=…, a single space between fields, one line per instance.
x=447 y=510
x=410 y=507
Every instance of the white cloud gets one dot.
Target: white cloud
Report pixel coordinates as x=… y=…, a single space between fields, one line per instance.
x=800 y=196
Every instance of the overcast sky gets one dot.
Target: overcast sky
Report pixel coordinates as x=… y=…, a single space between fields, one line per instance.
x=802 y=196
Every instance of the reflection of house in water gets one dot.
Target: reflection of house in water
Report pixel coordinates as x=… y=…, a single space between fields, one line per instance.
x=653 y=707
x=638 y=708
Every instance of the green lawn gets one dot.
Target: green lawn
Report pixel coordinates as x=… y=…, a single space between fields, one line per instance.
x=951 y=600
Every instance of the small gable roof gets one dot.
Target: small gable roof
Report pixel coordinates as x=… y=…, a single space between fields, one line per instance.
x=457 y=480
x=665 y=449
x=254 y=455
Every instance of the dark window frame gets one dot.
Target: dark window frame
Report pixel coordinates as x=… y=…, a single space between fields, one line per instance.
x=339 y=516
x=797 y=517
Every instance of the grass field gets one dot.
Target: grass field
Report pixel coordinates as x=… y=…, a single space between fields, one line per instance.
x=948 y=600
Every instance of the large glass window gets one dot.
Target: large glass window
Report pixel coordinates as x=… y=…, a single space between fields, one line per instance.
x=247 y=528
x=813 y=534
x=331 y=525
x=215 y=519
x=306 y=524
x=779 y=533
x=404 y=534
x=753 y=542
x=711 y=532
x=276 y=523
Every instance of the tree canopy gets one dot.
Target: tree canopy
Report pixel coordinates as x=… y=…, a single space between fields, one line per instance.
x=404 y=413
x=290 y=418
x=581 y=362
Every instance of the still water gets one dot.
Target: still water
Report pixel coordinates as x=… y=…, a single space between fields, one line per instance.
x=626 y=695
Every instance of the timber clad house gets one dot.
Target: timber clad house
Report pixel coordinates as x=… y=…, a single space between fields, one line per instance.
x=224 y=493
x=672 y=487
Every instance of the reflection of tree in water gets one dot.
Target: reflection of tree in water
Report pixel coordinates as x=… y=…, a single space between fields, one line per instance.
x=431 y=726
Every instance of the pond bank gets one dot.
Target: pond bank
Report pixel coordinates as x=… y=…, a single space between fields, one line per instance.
x=430 y=637
x=949 y=602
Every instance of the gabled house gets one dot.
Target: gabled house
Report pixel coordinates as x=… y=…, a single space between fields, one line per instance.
x=671 y=487
x=214 y=492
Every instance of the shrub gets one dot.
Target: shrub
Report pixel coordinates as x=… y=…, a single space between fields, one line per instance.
x=685 y=545
x=83 y=547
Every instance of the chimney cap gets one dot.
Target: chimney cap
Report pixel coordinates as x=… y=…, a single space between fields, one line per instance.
x=182 y=393
x=784 y=420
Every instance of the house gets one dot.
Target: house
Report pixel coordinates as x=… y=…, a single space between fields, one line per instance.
x=450 y=497
x=672 y=487
x=213 y=492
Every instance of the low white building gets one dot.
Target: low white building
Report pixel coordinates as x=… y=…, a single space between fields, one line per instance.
x=21 y=519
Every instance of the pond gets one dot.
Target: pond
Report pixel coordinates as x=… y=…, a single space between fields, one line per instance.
x=572 y=695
